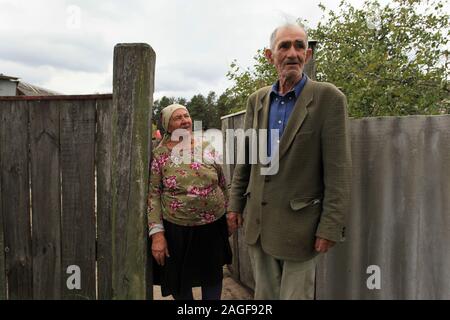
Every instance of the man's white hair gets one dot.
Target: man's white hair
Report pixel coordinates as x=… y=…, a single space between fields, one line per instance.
x=286 y=25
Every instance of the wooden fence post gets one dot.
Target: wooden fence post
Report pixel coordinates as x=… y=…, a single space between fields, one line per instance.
x=310 y=67
x=133 y=85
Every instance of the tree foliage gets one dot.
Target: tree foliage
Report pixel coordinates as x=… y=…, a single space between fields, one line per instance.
x=390 y=60
x=247 y=80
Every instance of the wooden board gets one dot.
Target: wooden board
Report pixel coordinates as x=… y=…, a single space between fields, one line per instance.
x=46 y=198
x=2 y=241
x=228 y=165
x=16 y=198
x=104 y=223
x=77 y=127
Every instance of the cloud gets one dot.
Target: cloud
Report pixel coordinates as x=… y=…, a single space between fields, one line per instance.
x=37 y=76
x=65 y=51
x=60 y=80
x=86 y=83
x=43 y=42
x=187 y=74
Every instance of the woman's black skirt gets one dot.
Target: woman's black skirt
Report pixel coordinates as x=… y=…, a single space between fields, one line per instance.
x=197 y=256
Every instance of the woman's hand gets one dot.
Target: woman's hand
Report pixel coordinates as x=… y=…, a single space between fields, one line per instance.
x=322 y=245
x=234 y=221
x=159 y=248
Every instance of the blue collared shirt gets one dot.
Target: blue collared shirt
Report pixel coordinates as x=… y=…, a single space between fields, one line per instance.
x=280 y=110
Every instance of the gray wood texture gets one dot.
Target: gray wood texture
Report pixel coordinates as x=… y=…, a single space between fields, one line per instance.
x=227 y=123
x=77 y=121
x=46 y=198
x=3 y=294
x=133 y=83
x=245 y=271
x=56 y=198
x=16 y=198
x=400 y=215
x=104 y=223
x=2 y=256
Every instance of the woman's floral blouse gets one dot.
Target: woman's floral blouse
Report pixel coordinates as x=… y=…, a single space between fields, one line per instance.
x=187 y=194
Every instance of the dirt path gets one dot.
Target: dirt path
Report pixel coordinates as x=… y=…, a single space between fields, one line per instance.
x=232 y=290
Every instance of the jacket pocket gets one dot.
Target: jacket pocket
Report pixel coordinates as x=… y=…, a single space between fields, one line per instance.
x=298 y=204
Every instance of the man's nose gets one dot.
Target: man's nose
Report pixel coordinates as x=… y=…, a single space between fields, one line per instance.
x=292 y=52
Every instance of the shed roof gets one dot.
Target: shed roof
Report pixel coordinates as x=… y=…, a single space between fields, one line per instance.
x=5 y=77
x=26 y=89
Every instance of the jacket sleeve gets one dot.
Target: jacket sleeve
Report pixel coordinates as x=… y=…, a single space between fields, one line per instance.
x=337 y=169
x=241 y=174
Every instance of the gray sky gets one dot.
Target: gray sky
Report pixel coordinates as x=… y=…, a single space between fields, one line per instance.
x=67 y=46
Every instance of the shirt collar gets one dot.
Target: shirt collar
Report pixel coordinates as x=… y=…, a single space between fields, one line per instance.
x=297 y=88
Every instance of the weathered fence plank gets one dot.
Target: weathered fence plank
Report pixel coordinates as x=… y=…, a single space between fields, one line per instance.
x=132 y=99
x=228 y=152
x=245 y=273
x=2 y=242
x=310 y=66
x=16 y=198
x=104 y=223
x=46 y=201
x=77 y=123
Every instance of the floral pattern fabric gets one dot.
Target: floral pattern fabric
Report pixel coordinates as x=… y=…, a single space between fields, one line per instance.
x=186 y=194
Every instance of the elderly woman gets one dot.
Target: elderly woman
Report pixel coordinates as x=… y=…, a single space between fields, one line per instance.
x=186 y=212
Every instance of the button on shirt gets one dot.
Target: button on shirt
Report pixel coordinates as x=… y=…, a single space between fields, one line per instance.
x=280 y=110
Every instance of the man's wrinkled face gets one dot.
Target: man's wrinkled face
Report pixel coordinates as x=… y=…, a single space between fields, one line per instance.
x=290 y=53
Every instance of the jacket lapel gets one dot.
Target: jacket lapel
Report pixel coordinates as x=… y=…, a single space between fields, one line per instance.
x=263 y=111
x=296 y=118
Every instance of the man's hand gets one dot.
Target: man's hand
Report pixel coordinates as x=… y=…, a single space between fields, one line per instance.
x=159 y=248
x=322 y=245
x=234 y=221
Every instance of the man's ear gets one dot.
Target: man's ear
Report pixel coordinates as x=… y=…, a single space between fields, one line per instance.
x=308 y=54
x=268 y=54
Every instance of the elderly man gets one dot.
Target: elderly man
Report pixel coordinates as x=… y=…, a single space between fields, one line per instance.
x=292 y=215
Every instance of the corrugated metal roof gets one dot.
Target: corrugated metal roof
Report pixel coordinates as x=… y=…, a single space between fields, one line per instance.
x=26 y=89
x=4 y=77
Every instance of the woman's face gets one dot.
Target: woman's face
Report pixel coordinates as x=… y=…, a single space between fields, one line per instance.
x=180 y=119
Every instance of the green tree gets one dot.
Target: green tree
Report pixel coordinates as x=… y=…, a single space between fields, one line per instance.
x=390 y=60
x=211 y=117
x=225 y=105
x=198 y=108
x=247 y=80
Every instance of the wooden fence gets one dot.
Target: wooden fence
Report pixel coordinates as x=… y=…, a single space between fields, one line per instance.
x=74 y=172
